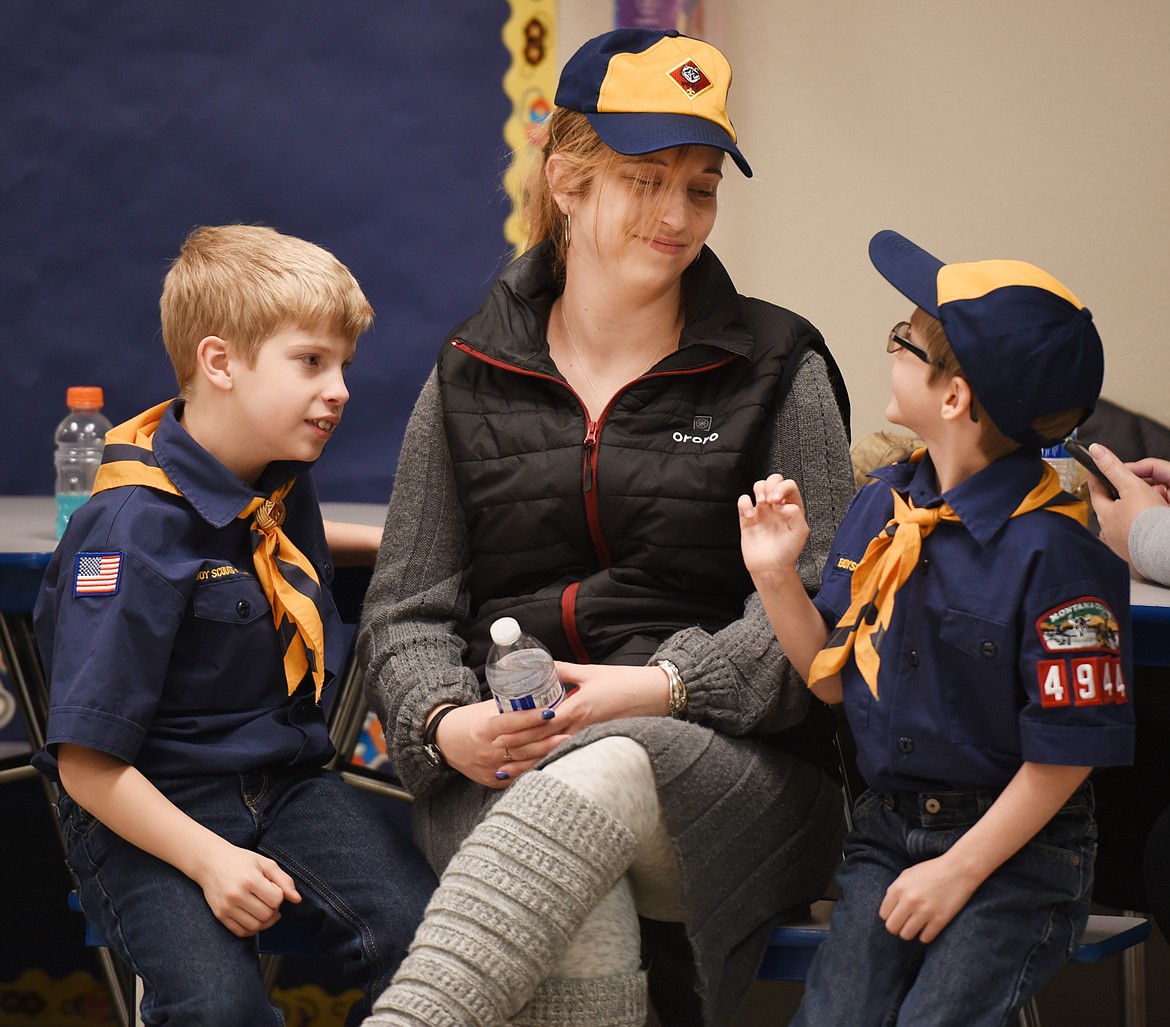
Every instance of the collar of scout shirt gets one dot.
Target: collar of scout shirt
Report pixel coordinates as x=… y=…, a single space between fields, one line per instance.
x=984 y=502
x=215 y=493
x=220 y=497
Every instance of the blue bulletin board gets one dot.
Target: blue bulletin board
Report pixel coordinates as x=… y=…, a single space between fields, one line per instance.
x=371 y=127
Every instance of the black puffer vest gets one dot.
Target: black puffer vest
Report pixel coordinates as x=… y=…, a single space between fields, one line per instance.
x=603 y=538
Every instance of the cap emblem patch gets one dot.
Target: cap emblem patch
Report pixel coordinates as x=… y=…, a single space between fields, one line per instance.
x=690 y=79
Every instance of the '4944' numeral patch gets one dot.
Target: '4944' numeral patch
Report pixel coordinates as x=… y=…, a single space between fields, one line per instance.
x=1082 y=681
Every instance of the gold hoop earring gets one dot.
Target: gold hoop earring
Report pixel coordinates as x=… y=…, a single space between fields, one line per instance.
x=568 y=230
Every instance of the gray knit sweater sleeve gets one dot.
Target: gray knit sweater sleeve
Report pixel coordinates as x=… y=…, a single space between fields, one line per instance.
x=1149 y=544
x=408 y=640
x=738 y=679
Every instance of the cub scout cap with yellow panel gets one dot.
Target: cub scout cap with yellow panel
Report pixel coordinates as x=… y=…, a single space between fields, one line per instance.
x=1027 y=345
x=645 y=90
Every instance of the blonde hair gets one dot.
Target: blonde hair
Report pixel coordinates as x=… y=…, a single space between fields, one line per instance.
x=993 y=443
x=244 y=283
x=584 y=156
x=583 y=159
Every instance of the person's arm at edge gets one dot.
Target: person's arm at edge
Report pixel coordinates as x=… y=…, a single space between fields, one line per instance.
x=352 y=544
x=1149 y=544
x=1139 y=488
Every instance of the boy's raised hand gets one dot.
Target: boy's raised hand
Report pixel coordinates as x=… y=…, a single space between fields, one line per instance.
x=773 y=529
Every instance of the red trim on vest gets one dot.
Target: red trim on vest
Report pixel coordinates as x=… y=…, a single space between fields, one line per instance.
x=569 y=623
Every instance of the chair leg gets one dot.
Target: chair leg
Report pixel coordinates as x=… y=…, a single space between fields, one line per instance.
x=123 y=987
x=1030 y=1014
x=1133 y=977
x=270 y=968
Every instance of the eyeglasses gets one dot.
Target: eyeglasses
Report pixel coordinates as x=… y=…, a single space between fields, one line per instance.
x=900 y=339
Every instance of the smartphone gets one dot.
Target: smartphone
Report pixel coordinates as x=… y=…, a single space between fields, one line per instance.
x=1081 y=455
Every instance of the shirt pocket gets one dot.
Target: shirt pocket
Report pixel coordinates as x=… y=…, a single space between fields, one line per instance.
x=229 y=655
x=978 y=684
x=238 y=599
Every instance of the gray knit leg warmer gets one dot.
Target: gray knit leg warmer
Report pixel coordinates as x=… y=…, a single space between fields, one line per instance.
x=507 y=906
x=618 y=1001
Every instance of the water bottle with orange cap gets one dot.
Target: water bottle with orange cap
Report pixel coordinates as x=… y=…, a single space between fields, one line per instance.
x=81 y=438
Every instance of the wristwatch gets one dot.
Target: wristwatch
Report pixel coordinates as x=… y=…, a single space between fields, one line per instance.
x=678 y=690
x=432 y=752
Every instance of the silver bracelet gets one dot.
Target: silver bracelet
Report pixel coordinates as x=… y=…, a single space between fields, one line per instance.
x=678 y=690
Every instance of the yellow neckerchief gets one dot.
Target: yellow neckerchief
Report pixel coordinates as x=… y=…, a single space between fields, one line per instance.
x=294 y=607
x=888 y=562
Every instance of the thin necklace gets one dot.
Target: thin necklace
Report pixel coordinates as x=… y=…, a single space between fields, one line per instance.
x=585 y=367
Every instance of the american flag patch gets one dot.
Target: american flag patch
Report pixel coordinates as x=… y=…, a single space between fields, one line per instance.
x=98 y=574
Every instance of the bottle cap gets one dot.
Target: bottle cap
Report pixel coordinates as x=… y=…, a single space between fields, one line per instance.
x=505 y=631
x=85 y=397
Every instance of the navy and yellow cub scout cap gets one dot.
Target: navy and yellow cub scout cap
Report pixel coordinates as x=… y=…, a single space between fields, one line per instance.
x=1025 y=343
x=645 y=90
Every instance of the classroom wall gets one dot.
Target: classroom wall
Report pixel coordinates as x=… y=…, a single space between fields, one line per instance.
x=373 y=128
x=1038 y=131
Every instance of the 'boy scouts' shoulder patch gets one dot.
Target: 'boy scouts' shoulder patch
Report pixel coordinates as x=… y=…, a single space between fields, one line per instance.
x=1086 y=623
x=97 y=574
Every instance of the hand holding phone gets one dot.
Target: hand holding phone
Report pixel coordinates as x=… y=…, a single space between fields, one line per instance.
x=1081 y=455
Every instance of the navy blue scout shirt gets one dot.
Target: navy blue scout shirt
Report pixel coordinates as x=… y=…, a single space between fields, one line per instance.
x=1010 y=641
x=156 y=636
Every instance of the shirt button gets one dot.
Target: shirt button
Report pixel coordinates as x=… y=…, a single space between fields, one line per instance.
x=924 y=565
x=932 y=805
x=243 y=608
x=914 y=658
x=906 y=744
x=988 y=649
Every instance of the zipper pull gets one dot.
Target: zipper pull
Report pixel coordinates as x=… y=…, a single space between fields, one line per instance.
x=590 y=445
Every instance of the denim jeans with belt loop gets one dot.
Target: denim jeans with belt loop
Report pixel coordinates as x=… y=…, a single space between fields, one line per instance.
x=1017 y=929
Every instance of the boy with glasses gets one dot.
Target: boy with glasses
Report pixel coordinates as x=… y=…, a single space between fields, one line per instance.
x=978 y=636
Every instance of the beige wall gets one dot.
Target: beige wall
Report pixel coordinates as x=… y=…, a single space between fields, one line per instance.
x=1031 y=129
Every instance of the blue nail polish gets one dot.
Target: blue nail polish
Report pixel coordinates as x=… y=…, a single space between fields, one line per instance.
x=548 y=714
x=501 y=776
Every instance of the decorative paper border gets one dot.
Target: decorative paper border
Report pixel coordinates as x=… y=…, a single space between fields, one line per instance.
x=530 y=83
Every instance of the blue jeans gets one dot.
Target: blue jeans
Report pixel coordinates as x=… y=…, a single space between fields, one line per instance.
x=1018 y=928
x=363 y=886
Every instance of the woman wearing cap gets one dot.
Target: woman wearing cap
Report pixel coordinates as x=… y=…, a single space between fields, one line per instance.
x=574 y=462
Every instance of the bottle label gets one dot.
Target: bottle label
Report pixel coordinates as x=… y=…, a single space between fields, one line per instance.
x=544 y=698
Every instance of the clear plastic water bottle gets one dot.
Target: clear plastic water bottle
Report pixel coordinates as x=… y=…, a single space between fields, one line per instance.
x=81 y=438
x=520 y=671
x=1063 y=464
